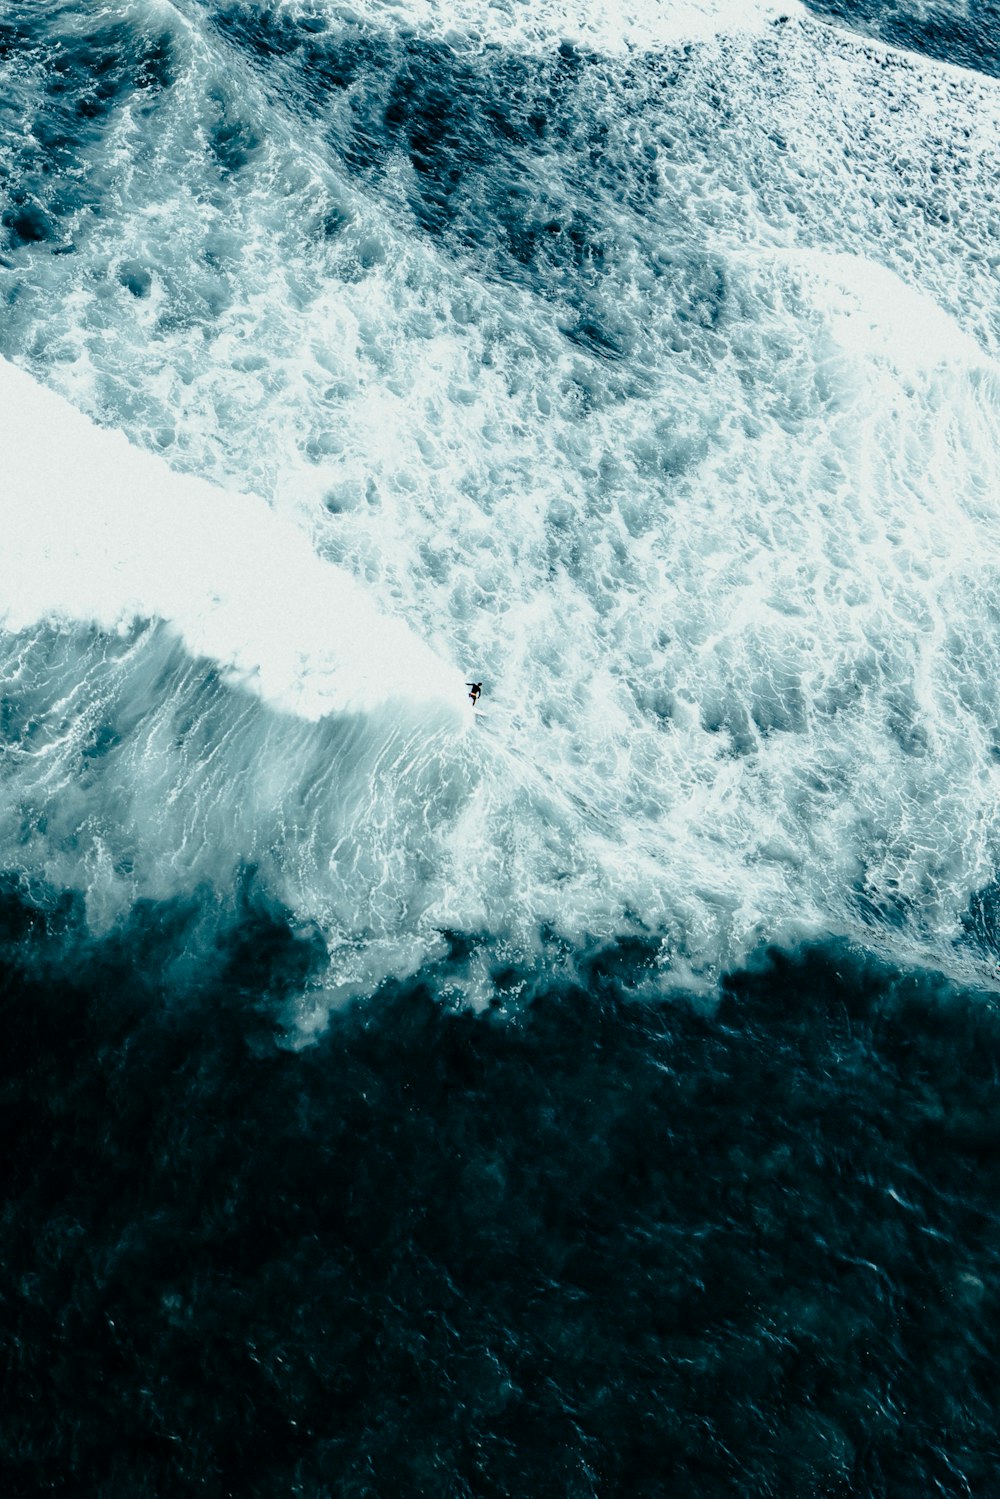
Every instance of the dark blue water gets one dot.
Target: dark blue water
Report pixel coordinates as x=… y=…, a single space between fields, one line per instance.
x=600 y=1247
x=600 y=1238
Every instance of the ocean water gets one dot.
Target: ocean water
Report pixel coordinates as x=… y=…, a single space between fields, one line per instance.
x=597 y=1093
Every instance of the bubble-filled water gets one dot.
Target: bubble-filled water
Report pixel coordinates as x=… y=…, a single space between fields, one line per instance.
x=588 y=1093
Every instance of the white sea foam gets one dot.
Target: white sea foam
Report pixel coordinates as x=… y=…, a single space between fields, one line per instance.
x=96 y=530
x=732 y=575
x=610 y=26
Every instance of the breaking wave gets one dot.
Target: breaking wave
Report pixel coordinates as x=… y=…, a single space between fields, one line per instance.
x=640 y=362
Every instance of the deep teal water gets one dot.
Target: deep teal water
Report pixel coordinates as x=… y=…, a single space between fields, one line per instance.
x=600 y=1246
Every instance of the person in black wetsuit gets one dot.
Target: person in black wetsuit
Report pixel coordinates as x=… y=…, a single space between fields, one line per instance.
x=476 y=693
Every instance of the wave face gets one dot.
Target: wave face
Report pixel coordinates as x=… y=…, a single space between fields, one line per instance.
x=640 y=361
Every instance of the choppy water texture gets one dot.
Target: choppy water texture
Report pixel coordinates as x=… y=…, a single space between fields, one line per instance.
x=597 y=1096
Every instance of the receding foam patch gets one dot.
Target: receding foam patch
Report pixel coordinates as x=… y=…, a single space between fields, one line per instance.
x=873 y=313
x=96 y=530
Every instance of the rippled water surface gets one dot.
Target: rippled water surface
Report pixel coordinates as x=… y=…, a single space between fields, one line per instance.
x=594 y=1094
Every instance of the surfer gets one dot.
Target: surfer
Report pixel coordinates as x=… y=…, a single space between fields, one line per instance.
x=476 y=693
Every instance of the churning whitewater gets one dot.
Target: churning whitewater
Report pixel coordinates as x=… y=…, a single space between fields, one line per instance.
x=640 y=362
x=583 y=376
x=653 y=386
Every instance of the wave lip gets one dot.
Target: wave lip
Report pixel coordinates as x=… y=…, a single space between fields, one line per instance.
x=97 y=530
